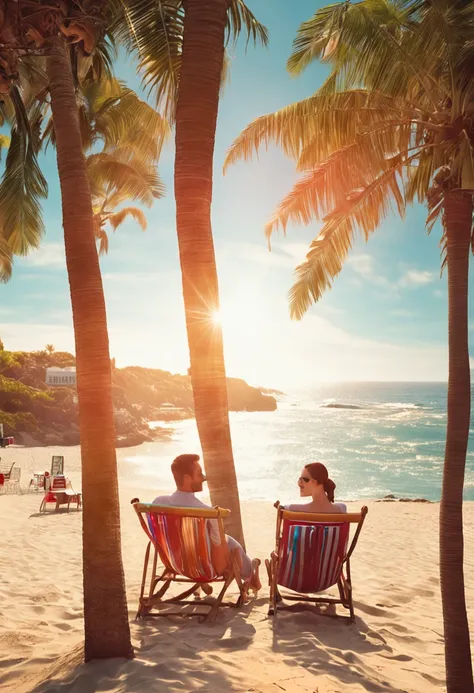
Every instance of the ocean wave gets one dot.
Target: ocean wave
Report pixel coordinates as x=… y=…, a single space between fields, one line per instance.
x=400 y=405
x=336 y=405
x=379 y=406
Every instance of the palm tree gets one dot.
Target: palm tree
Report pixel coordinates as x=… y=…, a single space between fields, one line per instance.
x=392 y=123
x=48 y=29
x=181 y=48
x=50 y=348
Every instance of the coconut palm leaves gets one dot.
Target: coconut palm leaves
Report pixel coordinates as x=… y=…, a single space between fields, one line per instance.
x=154 y=30
x=22 y=186
x=366 y=151
x=116 y=177
x=130 y=134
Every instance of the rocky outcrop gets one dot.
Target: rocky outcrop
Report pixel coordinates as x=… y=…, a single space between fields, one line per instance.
x=36 y=414
x=162 y=396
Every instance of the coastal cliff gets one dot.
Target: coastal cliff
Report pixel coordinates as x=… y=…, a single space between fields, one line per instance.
x=38 y=414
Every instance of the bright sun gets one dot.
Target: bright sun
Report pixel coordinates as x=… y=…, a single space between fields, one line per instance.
x=216 y=317
x=237 y=315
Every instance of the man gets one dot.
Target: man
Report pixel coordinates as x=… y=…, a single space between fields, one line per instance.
x=189 y=478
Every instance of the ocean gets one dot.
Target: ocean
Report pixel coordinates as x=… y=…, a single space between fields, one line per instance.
x=374 y=438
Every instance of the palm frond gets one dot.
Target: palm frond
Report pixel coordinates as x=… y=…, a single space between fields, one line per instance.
x=239 y=18
x=325 y=122
x=127 y=120
x=6 y=261
x=363 y=211
x=392 y=123
x=116 y=219
x=371 y=43
x=103 y=239
x=154 y=30
x=23 y=185
x=100 y=65
x=128 y=178
x=316 y=37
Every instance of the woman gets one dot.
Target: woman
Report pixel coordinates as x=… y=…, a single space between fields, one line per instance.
x=314 y=481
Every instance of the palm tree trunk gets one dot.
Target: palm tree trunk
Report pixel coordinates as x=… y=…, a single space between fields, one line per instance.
x=107 y=632
x=196 y=116
x=458 y=210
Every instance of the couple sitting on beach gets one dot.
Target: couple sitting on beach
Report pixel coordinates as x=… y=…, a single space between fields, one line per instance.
x=189 y=478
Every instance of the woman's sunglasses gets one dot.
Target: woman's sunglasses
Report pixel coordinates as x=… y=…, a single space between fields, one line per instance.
x=304 y=479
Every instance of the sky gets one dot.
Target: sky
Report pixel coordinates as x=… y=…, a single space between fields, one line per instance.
x=385 y=318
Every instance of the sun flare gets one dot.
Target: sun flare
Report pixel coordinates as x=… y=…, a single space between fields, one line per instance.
x=216 y=317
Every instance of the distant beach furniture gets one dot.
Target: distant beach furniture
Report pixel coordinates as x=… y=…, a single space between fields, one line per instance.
x=311 y=556
x=57 y=465
x=9 y=478
x=61 y=493
x=179 y=538
x=5 y=441
x=61 y=376
x=42 y=480
x=37 y=482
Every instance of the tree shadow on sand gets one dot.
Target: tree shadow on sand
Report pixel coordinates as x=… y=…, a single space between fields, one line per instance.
x=309 y=637
x=171 y=654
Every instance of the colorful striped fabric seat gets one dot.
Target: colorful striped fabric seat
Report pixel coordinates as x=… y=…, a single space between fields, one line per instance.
x=180 y=539
x=183 y=544
x=311 y=555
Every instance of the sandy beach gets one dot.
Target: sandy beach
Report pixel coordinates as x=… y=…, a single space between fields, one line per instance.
x=395 y=645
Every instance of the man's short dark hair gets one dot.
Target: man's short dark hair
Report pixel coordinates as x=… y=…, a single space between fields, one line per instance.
x=183 y=464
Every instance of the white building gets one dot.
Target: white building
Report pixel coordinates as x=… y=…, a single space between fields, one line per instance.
x=61 y=376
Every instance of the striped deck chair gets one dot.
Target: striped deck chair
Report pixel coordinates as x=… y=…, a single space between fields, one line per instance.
x=179 y=538
x=312 y=555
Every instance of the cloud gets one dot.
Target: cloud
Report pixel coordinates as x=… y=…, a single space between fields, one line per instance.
x=438 y=293
x=364 y=265
x=48 y=255
x=415 y=277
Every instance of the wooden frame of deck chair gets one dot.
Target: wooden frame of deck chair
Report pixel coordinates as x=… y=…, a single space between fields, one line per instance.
x=311 y=555
x=180 y=538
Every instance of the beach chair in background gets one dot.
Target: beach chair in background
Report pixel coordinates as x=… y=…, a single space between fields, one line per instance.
x=12 y=485
x=57 y=465
x=37 y=482
x=61 y=493
x=6 y=469
x=179 y=539
x=311 y=555
x=5 y=476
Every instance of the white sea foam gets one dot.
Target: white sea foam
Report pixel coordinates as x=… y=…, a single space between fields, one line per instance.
x=393 y=444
